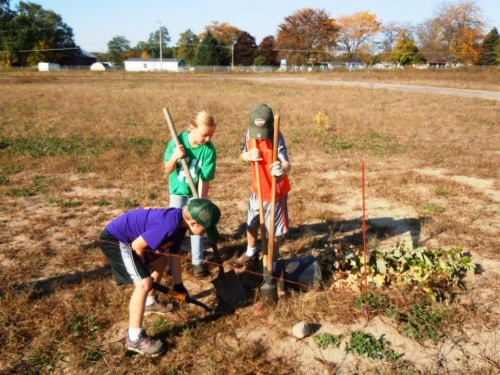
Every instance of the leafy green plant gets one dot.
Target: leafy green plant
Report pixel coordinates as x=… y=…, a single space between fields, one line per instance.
x=375 y=301
x=365 y=345
x=423 y=322
x=325 y=340
x=402 y=265
x=4 y=180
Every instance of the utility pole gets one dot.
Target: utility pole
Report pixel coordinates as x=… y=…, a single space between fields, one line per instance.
x=161 y=60
x=233 y=42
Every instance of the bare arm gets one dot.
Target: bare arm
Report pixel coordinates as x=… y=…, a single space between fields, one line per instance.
x=139 y=245
x=178 y=153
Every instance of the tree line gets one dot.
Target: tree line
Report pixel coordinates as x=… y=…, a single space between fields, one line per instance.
x=454 y=34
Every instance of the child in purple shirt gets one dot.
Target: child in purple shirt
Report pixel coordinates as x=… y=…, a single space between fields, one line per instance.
x=137 y=245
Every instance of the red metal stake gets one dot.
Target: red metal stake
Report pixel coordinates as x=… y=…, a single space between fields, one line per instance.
x=365 y=250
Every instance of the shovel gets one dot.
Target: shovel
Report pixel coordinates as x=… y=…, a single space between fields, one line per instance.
x=227 y=284
x=185 y=298
x=269 y=289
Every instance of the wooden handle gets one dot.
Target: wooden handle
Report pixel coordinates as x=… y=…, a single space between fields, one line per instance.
x=272 y=221
x=262 y=218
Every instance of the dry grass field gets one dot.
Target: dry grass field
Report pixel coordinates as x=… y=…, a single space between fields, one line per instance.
x=78 y=149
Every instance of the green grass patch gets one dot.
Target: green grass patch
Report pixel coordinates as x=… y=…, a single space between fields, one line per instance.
x=443 y=191
x=17 y=192
x=11 y=169
x=36 y=147
x=325 y=340
x=84 y=169
x=67 y=203
x=101 y=203
x=434 y=208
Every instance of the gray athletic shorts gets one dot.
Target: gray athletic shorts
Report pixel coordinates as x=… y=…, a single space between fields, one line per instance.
x=126 y=265
x=281 y=215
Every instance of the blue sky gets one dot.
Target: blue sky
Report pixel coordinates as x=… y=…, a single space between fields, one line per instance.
x=96 y=22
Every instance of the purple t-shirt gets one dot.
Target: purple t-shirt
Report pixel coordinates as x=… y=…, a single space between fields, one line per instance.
x=160 y=228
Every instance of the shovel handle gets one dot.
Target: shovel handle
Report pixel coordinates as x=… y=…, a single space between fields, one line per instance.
x=272 y=221
x=262 y=219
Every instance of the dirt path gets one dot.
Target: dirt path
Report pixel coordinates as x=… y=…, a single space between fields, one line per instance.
x=489 y=95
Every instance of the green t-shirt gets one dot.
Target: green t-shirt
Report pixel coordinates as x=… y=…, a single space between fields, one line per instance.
x=201 y=162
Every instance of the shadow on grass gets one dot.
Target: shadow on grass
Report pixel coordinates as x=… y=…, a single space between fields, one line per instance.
x=381 y=228
x=42 y=288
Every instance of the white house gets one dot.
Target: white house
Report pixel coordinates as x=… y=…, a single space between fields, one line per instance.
x=154 y=65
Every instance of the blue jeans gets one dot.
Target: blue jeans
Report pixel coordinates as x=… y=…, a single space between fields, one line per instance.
x=179 y=201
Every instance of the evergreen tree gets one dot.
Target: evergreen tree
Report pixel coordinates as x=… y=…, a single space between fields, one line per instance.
x=212 y=52
x=406 y=51
x=490 y=48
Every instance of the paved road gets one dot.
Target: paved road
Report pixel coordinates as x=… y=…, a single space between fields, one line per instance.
x=490 y=95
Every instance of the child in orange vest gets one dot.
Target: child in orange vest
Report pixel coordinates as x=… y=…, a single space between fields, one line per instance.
x=258 y=147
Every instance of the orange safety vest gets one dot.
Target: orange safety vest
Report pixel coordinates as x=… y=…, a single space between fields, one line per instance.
x=266 y=149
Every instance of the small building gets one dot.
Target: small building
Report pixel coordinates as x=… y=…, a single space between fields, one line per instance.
x=78 y=58
x=48 y=67
x=154 y=65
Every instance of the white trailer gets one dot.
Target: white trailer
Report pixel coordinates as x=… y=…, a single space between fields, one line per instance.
x=154 y=65
x=48 y=67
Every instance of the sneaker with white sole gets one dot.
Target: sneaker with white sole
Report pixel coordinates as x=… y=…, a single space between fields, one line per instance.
x=145 y=345
x=158 y=307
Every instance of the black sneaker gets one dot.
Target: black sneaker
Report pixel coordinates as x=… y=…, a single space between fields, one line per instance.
x=200 y=270
x=145 y=345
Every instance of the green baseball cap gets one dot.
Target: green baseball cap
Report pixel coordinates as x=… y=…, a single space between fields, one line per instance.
x=207 y=214
x=261 y=122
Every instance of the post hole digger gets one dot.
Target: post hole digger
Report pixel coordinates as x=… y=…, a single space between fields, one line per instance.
x=227 y=284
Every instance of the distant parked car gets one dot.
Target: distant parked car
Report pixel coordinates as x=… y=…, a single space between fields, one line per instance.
x=355 y=65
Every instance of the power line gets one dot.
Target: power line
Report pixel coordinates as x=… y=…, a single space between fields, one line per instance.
x=39 y=50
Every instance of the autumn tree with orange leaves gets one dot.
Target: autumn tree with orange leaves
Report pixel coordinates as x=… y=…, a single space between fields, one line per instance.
x=455 y=34
x=307 y=35
x=222 y=31
x=355 y=30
